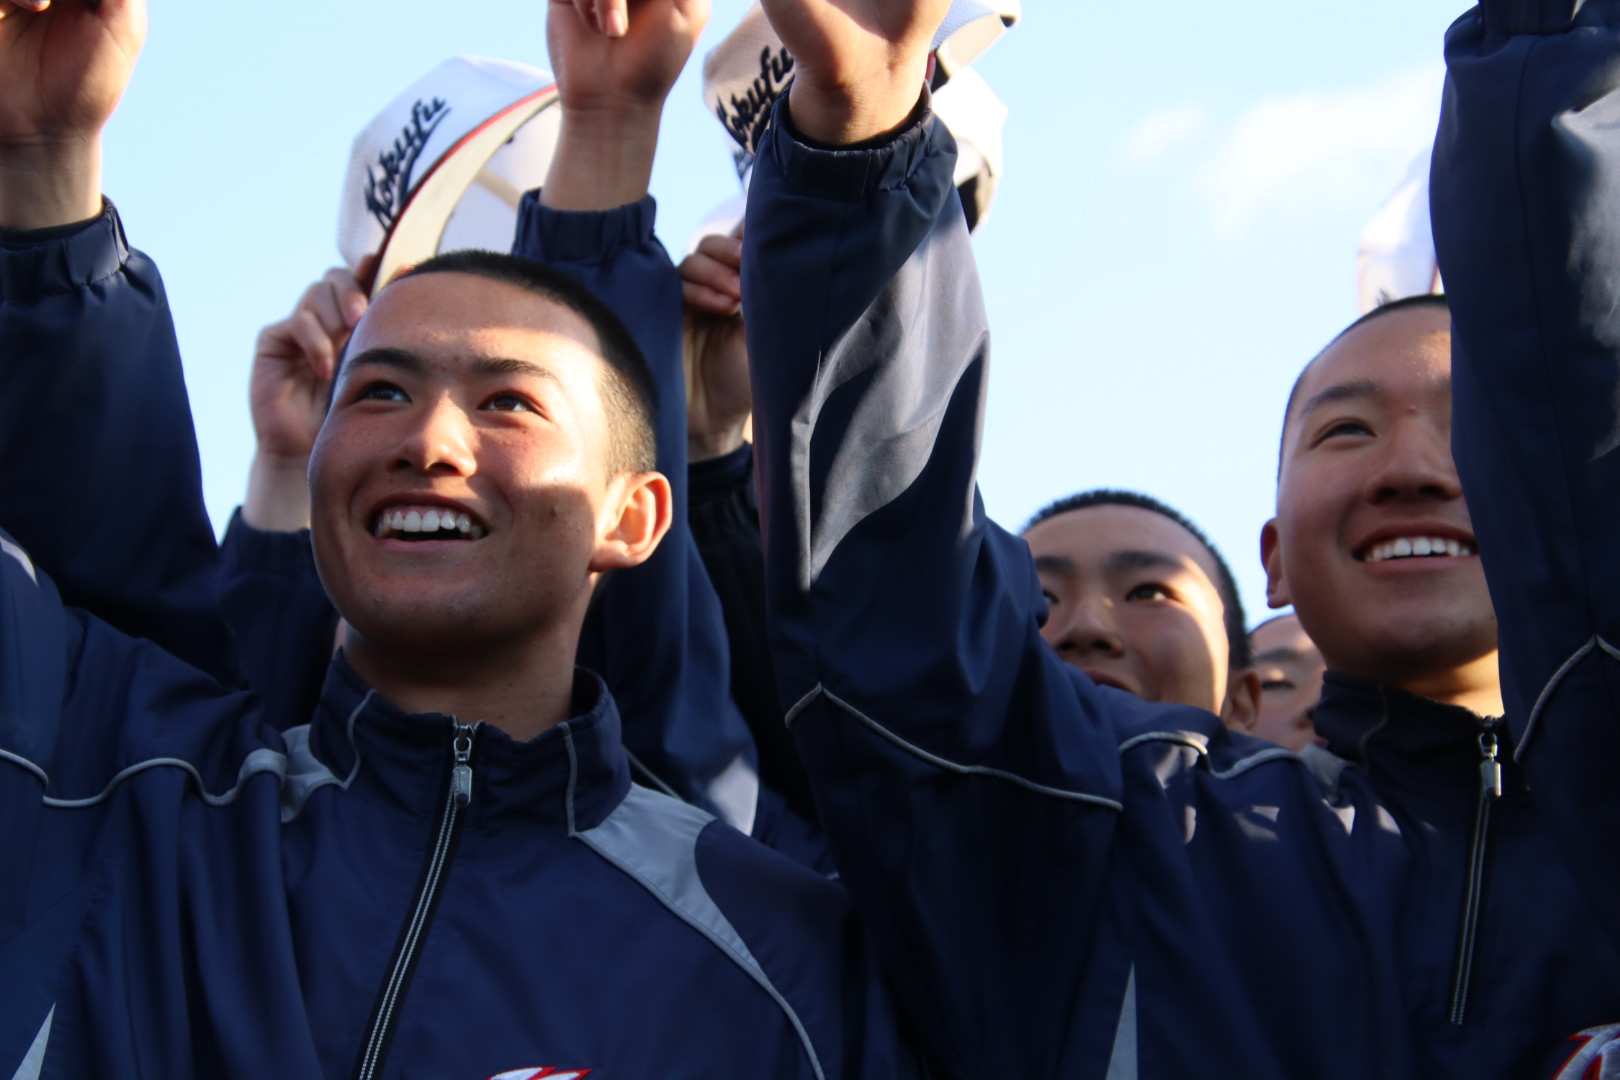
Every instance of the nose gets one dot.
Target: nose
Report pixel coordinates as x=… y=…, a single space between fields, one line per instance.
x=441 y=441
x=1087 y=629
x=1415 y=466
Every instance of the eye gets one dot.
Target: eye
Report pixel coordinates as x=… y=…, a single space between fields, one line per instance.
x=1276 y=684
x=1050 y=597
x=1150 y=590
x=1345 y=428
x=381 y=391
x=508 y=401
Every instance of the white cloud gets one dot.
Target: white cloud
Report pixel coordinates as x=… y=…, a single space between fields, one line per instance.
x=1295 y=156
x=1163 y=131
x=1291 y=156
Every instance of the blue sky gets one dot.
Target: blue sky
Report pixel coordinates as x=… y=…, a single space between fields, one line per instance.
x=1174 y=237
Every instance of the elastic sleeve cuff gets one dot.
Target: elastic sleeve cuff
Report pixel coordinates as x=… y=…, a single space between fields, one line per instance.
x=247 y=548
x=855 y=173
x=47 y=262
x=717 y=476
x=583 y=235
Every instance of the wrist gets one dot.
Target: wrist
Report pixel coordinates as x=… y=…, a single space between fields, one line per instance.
x=835 y=114
x=278 y=493
x=707 y=445
x=604 y=157
x=44 y=184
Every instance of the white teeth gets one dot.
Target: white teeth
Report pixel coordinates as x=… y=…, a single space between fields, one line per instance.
x=427 y=520
x=1416 y=546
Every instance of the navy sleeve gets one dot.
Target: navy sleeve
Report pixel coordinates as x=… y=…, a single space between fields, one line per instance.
x=284 y=623
x=969 y=781
x=1525 y=193
x=725 y=525
x=101 y=482
x=655 y=632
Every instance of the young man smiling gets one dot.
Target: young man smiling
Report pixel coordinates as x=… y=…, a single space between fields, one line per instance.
x=446 y=871
x=1065 y=880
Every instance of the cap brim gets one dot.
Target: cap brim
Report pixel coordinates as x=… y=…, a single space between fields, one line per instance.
x=420 y=224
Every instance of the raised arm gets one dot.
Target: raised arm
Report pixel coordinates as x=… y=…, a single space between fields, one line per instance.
x=1524 y=190
x=655 y=632
x=270 y=594
x=101 y=481
x=969 y=782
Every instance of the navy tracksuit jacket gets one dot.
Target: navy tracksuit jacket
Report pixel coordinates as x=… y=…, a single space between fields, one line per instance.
x=1066 y=881
x=192 y=888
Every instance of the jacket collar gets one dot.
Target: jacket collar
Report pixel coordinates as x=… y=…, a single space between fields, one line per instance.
x=1390 y=732
x=568 y=778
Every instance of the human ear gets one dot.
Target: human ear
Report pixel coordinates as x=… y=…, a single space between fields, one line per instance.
x=1241 y=709
x=1277 y=594
x=635 y=517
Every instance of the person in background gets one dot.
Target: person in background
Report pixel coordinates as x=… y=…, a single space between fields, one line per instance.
x=1139 y=599
x=1290 y=669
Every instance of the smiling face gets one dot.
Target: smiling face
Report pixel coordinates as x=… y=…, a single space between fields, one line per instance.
x=461 y=490
x=1372 y=542
x=1133 y=603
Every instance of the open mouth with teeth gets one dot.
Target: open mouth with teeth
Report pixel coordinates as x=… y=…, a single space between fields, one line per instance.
x=417 y=523
x=1416 y=547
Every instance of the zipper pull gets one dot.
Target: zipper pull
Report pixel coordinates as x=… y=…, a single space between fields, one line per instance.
x=461 y=775
x=1490 y=770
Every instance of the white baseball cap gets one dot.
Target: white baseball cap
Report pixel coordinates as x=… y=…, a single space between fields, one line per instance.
x=445 y=164
x=745 y=74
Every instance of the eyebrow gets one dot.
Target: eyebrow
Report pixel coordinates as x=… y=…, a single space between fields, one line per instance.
x=1061 y=565
x=1354 y=390
x=1281 y=655
x=1121 y=562
x=407 y=361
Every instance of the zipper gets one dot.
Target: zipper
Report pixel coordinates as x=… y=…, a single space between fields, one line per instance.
x=1490 y=789
x=458 y=795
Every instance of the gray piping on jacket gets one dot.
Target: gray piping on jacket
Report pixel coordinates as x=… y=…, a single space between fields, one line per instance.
x=1552 y=684
x=944 y=763
x=1197 y=742
x=573 y=777
x=306 y=773
x=33 y=1062
x=297 y=770
x=651 y=778
x=653 y=839
x=1326 y=766
x=22 y=558
x=1122 y=1064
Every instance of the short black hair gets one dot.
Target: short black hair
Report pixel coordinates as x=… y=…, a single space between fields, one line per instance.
x=629 y=394
x=1426 y=300
x=1237 y=634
